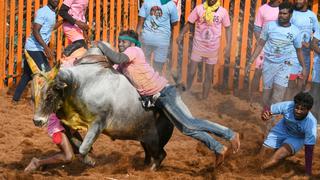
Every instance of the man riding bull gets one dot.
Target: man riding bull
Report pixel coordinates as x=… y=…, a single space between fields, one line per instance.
x=149 y=83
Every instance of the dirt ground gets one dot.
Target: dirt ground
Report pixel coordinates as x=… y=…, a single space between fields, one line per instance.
x=20 y=140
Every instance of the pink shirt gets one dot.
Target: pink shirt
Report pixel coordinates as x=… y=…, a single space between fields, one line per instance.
x=54 y=125
x=207 y=36
x=266 y=14
x=142 y=76
x=77 y=11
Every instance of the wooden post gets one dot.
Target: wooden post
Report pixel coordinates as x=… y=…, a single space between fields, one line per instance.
x=185 y=53
x=3 y=28
x=244 y=44
x=20 y=35
x=98 y=21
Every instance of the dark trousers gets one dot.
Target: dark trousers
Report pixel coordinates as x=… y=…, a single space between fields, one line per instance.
x=74 y=46
x=42 y=62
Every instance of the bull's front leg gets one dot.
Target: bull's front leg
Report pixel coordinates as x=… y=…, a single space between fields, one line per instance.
x=93 y=133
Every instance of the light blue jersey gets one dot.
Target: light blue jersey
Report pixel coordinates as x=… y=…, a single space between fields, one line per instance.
x=158 y=19
x=306 y=128
x=307 y=23
x=47 y=19
x=281 y=42
x=316 y=61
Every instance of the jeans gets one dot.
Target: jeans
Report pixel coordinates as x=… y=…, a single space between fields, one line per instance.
x=41 y=60
x=178 y=113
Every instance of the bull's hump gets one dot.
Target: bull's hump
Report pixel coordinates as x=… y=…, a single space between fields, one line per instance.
x=94 y=59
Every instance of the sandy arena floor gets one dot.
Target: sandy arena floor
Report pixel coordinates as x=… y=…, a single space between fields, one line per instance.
x=20 y=140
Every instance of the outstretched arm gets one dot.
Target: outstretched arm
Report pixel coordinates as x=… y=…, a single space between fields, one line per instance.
x=115 y=57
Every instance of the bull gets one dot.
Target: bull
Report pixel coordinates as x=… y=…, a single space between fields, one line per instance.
x=93 y=96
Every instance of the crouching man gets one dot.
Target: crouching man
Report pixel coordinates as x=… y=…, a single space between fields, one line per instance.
x=298 y=127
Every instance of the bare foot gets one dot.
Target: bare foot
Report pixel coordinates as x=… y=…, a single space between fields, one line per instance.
x=235 y=143
x=33 y=165
x=268 y=164
x=220 y=156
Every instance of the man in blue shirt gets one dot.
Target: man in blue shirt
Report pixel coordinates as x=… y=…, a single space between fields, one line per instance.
x=298 y=127
x=315 y=88
x=307 y=23
x=156 y=19
x=281 y=41
x=37 y=44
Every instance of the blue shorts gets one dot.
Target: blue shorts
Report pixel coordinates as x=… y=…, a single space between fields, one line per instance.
x=316 y=69
x=276 y=138
x=275 y=73
x=159 y=52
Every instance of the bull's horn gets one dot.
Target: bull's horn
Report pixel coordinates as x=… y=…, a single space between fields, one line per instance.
x=54 y=71
x=33 y=66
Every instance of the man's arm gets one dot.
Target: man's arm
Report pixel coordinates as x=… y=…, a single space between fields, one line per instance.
x=301 y=61
x=63 y=12
x=256 y=53
x=185 y=29
x=257 y=32
x=115 y=57
x=228 y=36
x=140 y=24
x=37 y=36
x=315 y=45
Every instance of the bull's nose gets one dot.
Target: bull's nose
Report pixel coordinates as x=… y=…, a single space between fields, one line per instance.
x=37 y=123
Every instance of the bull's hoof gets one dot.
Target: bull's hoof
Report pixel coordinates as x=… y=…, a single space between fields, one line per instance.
x=154 y=167
x=88 y=160
x=157 y=162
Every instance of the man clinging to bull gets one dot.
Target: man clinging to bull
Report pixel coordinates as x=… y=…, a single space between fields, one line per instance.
x=148 y=82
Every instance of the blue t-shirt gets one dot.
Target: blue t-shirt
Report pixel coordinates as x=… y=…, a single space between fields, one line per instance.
x=317 y=36
x=281 y=42
x=47 y=19
x=307 y=23
x=306 y=128
x=158 y=19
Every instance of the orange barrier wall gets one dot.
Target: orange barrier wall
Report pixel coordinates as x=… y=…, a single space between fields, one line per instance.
x=108 y=17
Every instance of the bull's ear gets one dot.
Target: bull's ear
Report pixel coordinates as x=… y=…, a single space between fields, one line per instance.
x=33 y=66
x=54 y=71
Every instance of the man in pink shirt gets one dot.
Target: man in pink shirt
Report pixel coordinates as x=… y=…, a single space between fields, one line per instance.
x=67 y=142
x=74 y=26
x=266 y=13
x=165 y=97
x=208 y=19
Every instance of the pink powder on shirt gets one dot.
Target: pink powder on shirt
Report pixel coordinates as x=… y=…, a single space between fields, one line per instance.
x=54 y=125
